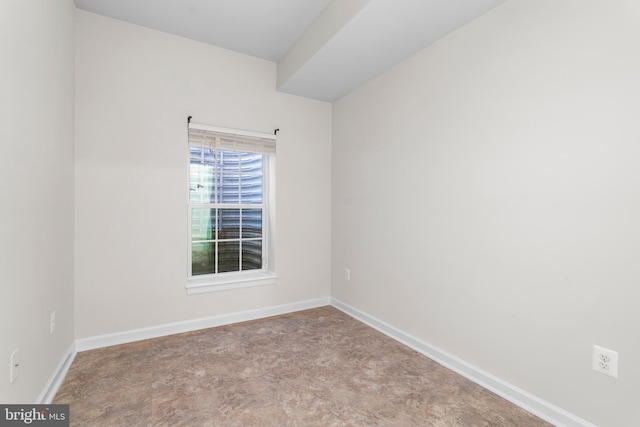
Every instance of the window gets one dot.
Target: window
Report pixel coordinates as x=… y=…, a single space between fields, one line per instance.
x=228 y=208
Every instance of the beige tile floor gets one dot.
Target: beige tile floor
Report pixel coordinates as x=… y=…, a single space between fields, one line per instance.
x=316 y=367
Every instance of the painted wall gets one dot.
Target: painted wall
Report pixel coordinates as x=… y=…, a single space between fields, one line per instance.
x=135 y=88
x=36 y=183
x=486 y=198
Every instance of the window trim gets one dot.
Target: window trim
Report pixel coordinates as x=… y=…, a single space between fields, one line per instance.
x=235 y=280
x=225 y=281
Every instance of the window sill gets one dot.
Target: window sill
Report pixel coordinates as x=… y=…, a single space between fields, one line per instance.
x=223 y=282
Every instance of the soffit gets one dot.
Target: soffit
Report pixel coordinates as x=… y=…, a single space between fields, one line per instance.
x=381 y=34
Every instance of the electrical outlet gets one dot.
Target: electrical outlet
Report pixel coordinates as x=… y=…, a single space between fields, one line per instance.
x=347 y=274
x=52 y=324
x=14 y=365
x=605 y=361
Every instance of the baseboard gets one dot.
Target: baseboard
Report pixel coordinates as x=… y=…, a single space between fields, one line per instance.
x=51 y=388
x=193 y=325
x=539 y=407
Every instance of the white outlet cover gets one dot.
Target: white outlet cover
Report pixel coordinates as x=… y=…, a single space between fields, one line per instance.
x=605 y=361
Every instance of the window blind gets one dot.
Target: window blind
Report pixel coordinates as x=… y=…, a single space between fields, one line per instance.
x=231 y=139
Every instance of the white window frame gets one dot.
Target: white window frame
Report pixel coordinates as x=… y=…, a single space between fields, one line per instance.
x=234 y=280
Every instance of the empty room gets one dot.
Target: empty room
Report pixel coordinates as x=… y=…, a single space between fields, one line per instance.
x=321 y=212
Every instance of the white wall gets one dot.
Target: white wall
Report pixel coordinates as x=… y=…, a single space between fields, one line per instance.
x=485 y=197
x=135 y=88
x=36 y=184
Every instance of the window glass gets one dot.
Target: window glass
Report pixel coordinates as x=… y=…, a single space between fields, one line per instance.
x=226 y=195
x=203 y=258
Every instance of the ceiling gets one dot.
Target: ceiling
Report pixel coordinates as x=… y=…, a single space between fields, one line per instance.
x=324 y=48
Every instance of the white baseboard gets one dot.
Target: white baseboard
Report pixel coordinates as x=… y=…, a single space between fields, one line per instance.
x=51 y=388
x=193 y=325
x=541 y=408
